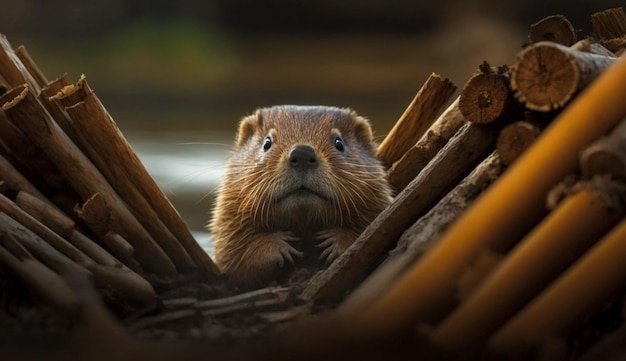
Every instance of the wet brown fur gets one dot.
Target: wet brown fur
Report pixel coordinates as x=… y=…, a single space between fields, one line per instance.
x=261 y=224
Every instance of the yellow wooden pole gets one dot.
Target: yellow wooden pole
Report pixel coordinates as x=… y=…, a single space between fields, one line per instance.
x=580 y=291
x=579 y=221
x=504 y=212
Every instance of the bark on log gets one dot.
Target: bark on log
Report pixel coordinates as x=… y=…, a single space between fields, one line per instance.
x=607 y=155
x=589 y=45
x=25 y=112
x=486 y=96
x=418 y=156
x=416 y=119
x=555 y=28
x=515 y=138
x=545 y=76
x=449 y=166
x=423 y=234
x=99 y=137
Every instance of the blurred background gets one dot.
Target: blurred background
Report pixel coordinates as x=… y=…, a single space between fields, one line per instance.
x=178 y=75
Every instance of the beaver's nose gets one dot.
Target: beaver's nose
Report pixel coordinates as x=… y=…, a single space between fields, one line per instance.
x=302 y=157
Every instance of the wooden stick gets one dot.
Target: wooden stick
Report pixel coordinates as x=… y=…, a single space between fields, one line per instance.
x=607 y=155
x=26 y=113
x=491 y=221
x=545 y=76
x=414 y=160
x=38 y=247
x=582 y=219
x=423 y=234
x=58 y=242
x=515 y=138
x=449 y=166
x=486 y=96
x=416 y=119
x=418 y=156
x=45 y=284
x=17 y=182
x=31 y=67
x=14 y=72
x=609 y=24
x=601 y=271
x=101 y=140
x=98 y=217
x=555 y=28
x=61 y=224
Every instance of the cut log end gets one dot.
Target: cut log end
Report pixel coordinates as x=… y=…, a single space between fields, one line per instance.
x=484 y=97
x=554 y=28
x=514 y=139
x=544 y=77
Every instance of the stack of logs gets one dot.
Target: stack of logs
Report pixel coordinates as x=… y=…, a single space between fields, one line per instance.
x=75 y=199
x=468 y=249
x=503 y=269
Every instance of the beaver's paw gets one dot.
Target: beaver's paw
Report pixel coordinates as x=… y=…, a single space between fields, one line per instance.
x=280 y=248
x=335 y=242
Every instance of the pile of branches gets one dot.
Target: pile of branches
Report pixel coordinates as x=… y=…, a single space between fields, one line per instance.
x=505 y=235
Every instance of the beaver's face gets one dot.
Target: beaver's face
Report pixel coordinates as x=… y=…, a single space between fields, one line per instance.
x=304 y=166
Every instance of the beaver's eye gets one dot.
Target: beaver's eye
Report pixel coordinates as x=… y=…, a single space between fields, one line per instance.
x=267 y=143
x=339 y=144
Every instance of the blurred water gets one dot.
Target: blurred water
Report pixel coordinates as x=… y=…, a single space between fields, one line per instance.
x=187 y=170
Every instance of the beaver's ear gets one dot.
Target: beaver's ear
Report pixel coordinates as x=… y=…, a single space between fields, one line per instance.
x=248 y=126
x=362 y=128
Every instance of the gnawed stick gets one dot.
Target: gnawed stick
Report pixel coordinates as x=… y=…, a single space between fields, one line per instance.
x=545 y=76
x=60 y=223
x=418 y=156
x=100 y=138
x=444 y=171
x=416 y=119
x=515 y=138
x=607 y=155
x=44 y=283
x=555 y=28
x=424 y=233
x=486 y=96
x=98 y=217
x=26 y=113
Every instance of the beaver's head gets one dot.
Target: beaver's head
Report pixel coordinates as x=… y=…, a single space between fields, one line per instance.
x=304 y=166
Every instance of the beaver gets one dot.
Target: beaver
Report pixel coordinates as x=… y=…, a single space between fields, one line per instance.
x=301 y=183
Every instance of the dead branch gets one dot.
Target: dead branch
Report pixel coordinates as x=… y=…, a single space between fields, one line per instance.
x=416 y=119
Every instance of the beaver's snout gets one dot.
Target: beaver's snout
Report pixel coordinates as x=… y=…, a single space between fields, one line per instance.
x=302 y=158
